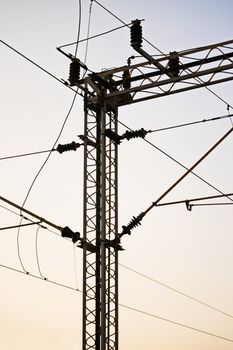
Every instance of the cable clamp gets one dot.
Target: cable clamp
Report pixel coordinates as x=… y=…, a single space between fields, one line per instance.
x=188 y=205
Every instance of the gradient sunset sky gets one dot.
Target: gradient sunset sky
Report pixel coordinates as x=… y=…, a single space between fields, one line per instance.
x=190 y=252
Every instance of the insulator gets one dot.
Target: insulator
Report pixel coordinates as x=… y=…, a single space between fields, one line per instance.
x=67 y=232
x=174 y=64
x=126 y=79
x=74 y=72
x=134 y=134
x=112 y=135
x=135 y=221
x=136 y=34
x=68 y=147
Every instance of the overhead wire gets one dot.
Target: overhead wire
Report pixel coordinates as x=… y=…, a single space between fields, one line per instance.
x=199 y=80
x=62 y=127
x=61 y=148
x=118 y=18
x=18 y=246
x=189 y=171
x=88 y=38
x=37 y=253
x=88 y=33
x=79 y=28
x=150 y=131
x=47 y=158
x=176 y=323
x=27 y=154
x=140 y=310
x=191 y=123
x=177 y=291
x=135 y=221
x=122 y=305
x=176 y=161
x=38 y=66
x=38 y=277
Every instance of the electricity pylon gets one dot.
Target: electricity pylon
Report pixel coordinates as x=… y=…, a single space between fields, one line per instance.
x=104 y=93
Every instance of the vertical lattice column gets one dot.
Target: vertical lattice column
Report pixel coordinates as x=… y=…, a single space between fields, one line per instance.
x=100 y=253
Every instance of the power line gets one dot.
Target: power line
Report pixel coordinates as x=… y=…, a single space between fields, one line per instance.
x=60 y=149
x=121 y=305
x=37 y=65
x=47 y=158
x=39 y=277
x=18 y=246
x=37 y=253
x=177 y=162
x=135 y=221
x=79 y=28
x=197 y=79
x=88 y=33
x=26 y=154
x=176 y=323
x=192 y=123
x=177 y=291
x=120 y=20
x=95 y=36
x=17 y=226
x=187 y=201
x=41 y=219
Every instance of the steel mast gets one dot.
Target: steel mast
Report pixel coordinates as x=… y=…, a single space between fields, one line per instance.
x=100 y=247
x=104 y=92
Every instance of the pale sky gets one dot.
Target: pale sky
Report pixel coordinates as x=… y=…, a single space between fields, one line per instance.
x=188 y=251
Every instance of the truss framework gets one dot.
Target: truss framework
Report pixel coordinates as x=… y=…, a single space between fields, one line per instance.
x=104 y=92
x=199 y=67
x=100 y=258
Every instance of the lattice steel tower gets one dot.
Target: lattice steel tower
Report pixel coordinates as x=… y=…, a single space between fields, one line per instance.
x=104 y=92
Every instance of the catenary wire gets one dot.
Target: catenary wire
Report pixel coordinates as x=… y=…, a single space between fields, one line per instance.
x=37 y=253
x=75 y=267
x=135 y=221
x=47 y=158
x=176 y=323
x=177 y=291
x=94 y=36
x=18 y=246
x=26 y=218
x=88 y=33
x=150 y=131
x=122 y=305
x=38 y=277
x=27 y=154
x=111 y=13
x=191 y=123
x=79 y=28
x=195 y=200
x=188 y=171
x=197 y=79
x=38 y=66
x=176 y=161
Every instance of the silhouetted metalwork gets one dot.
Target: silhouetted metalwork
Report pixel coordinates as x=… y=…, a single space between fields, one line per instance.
x=100 y=249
